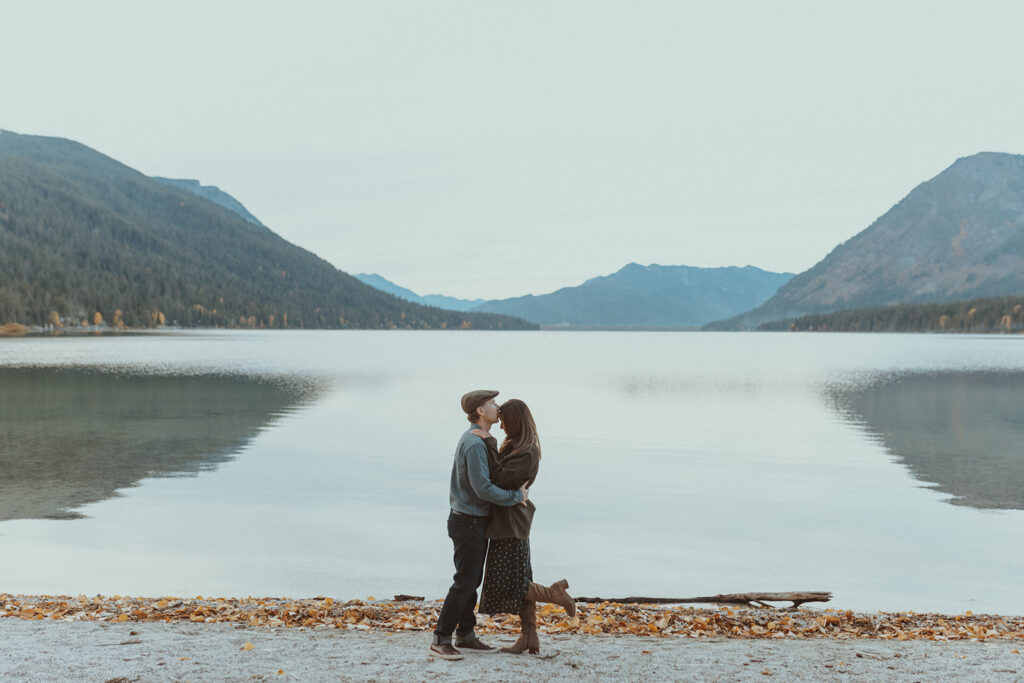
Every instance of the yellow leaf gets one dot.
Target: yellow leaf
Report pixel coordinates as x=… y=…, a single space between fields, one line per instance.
x=247 y=647
x=280 y=672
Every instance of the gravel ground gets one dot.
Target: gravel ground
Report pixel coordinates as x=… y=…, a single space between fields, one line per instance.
x=45 y=650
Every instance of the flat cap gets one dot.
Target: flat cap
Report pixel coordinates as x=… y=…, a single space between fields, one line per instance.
x=475 y=399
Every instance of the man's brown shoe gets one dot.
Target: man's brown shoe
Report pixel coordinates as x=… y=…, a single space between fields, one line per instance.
x=476 y=646
x=445 y=651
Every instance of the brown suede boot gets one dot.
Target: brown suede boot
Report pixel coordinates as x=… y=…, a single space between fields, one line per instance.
x=528 y=639
x=555 y=593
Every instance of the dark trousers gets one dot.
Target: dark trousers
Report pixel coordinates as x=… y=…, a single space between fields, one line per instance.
x=469 y=535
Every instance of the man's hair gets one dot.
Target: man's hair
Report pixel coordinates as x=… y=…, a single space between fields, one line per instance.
x=474 y=416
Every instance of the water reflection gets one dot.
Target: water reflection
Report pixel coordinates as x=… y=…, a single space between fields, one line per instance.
x=72 y=437
x=962 y=432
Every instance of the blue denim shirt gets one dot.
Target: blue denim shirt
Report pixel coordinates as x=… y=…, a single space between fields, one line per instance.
x=471 y=490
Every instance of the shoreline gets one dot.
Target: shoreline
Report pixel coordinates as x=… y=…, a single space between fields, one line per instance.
x=413 y=613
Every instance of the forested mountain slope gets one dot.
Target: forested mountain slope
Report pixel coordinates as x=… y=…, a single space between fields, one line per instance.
x=955 y=237
x=81 y=234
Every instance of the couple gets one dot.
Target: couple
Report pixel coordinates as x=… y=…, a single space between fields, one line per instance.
x=489 y=501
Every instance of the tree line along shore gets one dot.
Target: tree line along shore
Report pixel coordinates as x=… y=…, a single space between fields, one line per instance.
x=993 y=315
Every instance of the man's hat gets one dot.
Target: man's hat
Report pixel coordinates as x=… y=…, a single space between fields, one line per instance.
x=475 y=399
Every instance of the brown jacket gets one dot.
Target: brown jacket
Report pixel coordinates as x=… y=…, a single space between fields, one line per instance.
x=511 y=472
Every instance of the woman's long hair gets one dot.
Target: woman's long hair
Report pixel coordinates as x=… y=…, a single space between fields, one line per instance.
x=520 y=429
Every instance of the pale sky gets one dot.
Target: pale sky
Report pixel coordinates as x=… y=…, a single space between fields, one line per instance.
x=493 y=149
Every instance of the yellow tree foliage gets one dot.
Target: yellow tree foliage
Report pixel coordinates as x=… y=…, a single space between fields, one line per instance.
x=97 y=319
x=54 y=319
x=117 y=321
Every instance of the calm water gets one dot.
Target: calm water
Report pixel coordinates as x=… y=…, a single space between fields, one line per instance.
x=888 y=469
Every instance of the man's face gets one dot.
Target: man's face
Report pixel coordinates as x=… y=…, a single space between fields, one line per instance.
x=489 y=411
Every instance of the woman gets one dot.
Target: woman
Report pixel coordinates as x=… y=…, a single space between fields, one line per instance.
x=508 y=581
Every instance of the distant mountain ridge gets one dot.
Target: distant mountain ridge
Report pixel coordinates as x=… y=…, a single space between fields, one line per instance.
x=955 y=237
x=213 y=193
x=652 y=296
x=446 y=302
x=648 y=296
x=84 y=237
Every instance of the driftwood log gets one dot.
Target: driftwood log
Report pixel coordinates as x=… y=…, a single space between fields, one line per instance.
x=752 y=599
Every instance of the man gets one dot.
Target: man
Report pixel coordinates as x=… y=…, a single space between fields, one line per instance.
x=471 y=495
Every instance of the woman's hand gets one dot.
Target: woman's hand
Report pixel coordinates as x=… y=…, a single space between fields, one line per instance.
x=481 y=433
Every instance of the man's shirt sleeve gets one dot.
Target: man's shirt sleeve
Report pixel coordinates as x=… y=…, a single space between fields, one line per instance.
x=480 y=478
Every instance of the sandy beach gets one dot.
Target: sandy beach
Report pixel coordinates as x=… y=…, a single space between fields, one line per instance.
x=119 y=638
x=46 y=650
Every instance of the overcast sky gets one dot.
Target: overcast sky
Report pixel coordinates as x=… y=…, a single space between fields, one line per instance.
x=492 y=149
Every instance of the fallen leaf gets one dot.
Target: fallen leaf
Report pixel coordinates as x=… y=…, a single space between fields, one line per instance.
x=247 y=647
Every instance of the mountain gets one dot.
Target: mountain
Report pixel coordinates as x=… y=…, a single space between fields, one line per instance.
x=657 y=296
x=82 y=234
x=635 y=296
x=647 y=296
x=955 y=237
x=214 y=194
x=449 y=303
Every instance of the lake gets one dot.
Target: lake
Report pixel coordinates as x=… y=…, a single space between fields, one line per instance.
x=888 y=469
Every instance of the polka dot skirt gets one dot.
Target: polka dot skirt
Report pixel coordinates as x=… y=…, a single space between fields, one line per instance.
x=508 y=575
